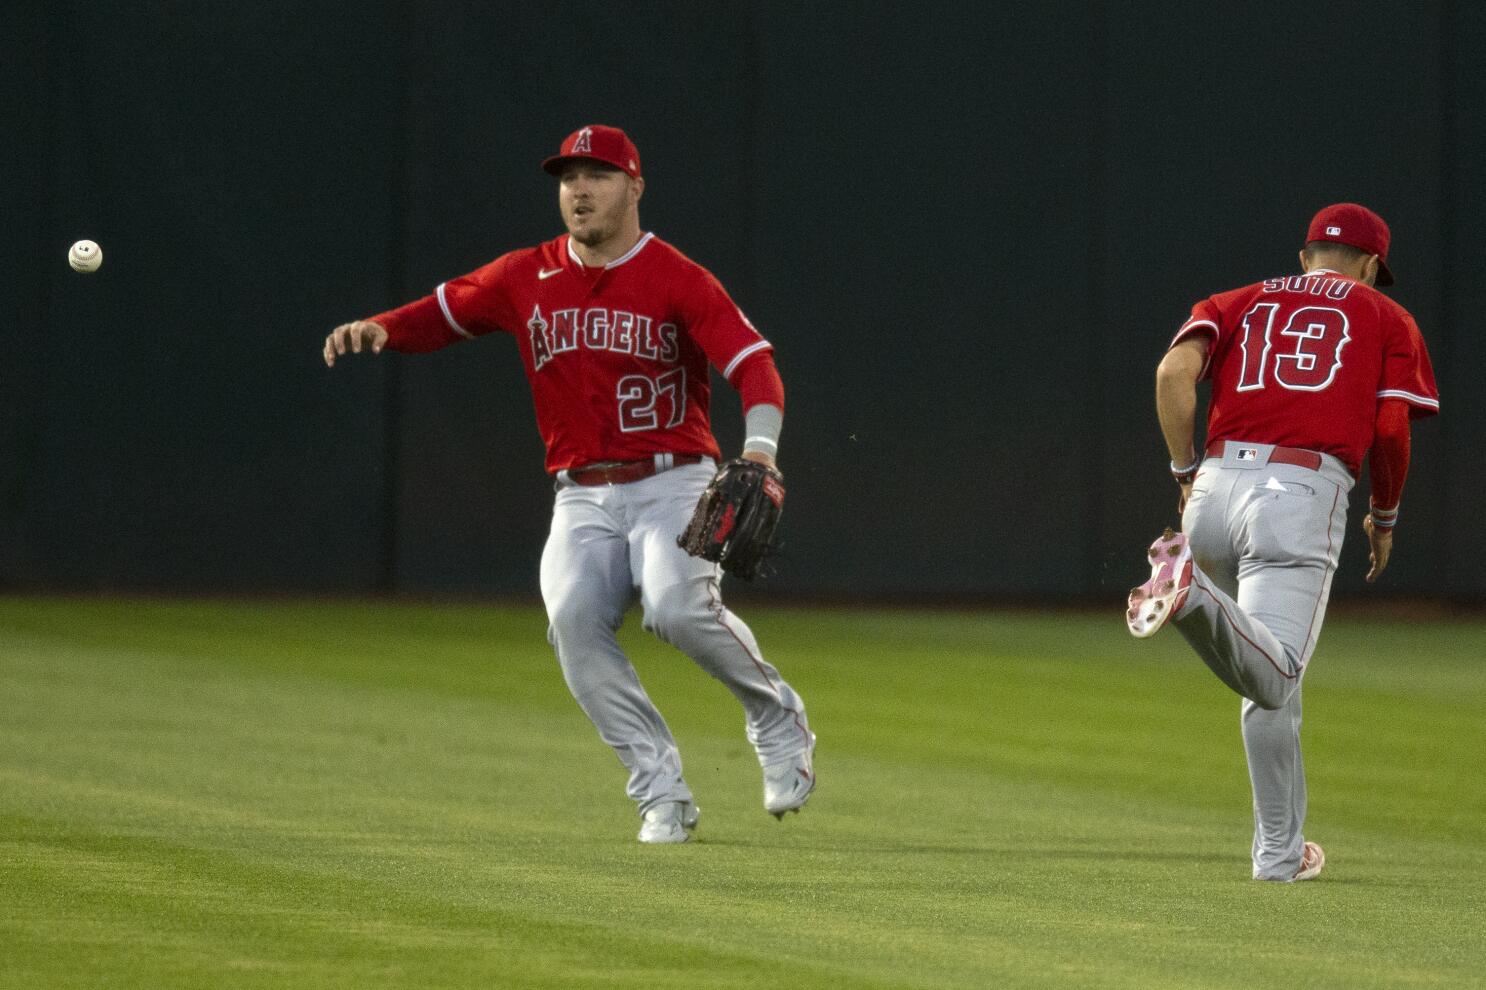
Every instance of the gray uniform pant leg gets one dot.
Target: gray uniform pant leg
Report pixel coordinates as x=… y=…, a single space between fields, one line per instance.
x=1264 y=554
x=1271 y=739
x=586 y=587
x=681 y=597
x=605 y=543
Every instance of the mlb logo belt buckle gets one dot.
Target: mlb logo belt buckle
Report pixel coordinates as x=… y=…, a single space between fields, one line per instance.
x=1249 y=456
x=1246 y=456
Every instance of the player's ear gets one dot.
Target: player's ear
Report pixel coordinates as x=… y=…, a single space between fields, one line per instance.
x=1370 y=270
x=1305 y=261
x=637 y=188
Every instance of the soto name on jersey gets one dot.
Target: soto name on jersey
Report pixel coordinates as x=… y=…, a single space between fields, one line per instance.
x=1330 y=286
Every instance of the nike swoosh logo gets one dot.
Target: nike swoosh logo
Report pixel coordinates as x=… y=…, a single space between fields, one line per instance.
x=545 y=273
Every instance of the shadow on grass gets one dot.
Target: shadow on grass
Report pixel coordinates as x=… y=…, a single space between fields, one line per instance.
x=1008 y=851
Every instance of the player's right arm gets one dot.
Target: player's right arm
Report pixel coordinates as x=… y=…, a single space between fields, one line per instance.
x=356 y=336
x=419 y=326
x=460 y=309
x=1176 y=404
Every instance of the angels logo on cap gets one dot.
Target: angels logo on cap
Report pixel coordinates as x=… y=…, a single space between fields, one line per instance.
x=597 y=142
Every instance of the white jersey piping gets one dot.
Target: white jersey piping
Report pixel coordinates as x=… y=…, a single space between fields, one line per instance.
x=1418 y=400
x=639 y=245
x=753 y=348
x=448 y=316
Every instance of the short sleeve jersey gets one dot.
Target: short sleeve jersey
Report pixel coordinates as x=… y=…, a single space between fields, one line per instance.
x=1304 y=360
x=617 y=357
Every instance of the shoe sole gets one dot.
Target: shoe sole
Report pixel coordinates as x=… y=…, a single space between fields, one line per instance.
x=1314 y=870
x=1151 y=605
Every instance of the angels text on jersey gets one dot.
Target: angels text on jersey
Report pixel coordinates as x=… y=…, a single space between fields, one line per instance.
x=600 y=329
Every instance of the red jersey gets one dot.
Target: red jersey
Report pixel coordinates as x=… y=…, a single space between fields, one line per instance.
x=616 y=356
x=1304 y=360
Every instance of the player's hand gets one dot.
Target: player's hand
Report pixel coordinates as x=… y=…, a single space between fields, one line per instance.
x=356 y=336
x=1380 y=540
x=760 y=457
x=1181 y=500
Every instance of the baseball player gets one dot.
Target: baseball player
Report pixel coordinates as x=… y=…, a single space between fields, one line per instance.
x=1310 y=373
x=616 y=329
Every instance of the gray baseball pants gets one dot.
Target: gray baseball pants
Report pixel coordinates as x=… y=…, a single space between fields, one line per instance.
x=606 y=543
x=1265 y=542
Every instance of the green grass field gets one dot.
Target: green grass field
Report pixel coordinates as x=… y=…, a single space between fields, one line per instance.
x=370 y=795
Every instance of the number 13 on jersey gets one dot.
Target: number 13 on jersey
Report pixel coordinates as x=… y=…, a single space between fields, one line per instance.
x=1304 y=356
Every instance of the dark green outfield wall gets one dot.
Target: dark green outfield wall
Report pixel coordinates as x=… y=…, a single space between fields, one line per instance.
x=968 y=229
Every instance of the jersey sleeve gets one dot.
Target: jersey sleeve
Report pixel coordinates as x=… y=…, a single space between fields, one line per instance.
x=758 y=383
x=1407 y=373
x=1206 y=319
x=478 y=303
x=716 y=324
x=1388 y=460
x=416 y=327
x=460 y=309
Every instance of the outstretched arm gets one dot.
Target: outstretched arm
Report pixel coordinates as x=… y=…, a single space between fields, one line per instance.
x=421 y=325
x=356 y=336
x=1176 y=403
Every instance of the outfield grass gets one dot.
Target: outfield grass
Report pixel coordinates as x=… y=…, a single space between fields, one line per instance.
x=370 y=795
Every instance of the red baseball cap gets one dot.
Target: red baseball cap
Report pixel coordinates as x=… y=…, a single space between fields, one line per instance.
x=609 y=145
x=1348 y=223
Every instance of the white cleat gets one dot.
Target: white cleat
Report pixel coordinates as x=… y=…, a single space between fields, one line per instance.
x=1152 y=604
x=789 y=783
x=670 y=822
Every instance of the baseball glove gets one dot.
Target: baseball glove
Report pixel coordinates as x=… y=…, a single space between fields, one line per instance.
x=735 y=518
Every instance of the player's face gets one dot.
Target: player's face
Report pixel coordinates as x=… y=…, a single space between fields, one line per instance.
x=595 y=200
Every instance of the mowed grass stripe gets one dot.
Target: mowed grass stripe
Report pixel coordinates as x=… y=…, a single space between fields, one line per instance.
x=344 y=795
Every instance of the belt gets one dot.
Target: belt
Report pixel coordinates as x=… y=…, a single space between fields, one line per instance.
x=1280 y=455
x=623 y=472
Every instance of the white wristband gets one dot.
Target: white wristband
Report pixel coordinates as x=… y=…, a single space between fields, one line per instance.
x=1188 y=469
x=1186 y=475
x=1383 y=518
x=762 y=424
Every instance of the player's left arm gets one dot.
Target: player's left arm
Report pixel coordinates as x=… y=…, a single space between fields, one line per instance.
x=758 y=383
x=735 y=347
x=1406 y=391
x=1176 y=407
x=1388 y=465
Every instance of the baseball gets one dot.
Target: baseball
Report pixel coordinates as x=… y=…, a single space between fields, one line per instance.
x=85 y=256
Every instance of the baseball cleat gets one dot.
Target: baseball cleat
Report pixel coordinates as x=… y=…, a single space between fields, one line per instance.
x=1153 y=604
x=670 y=822
x=1311 y=861
x=789 y=783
